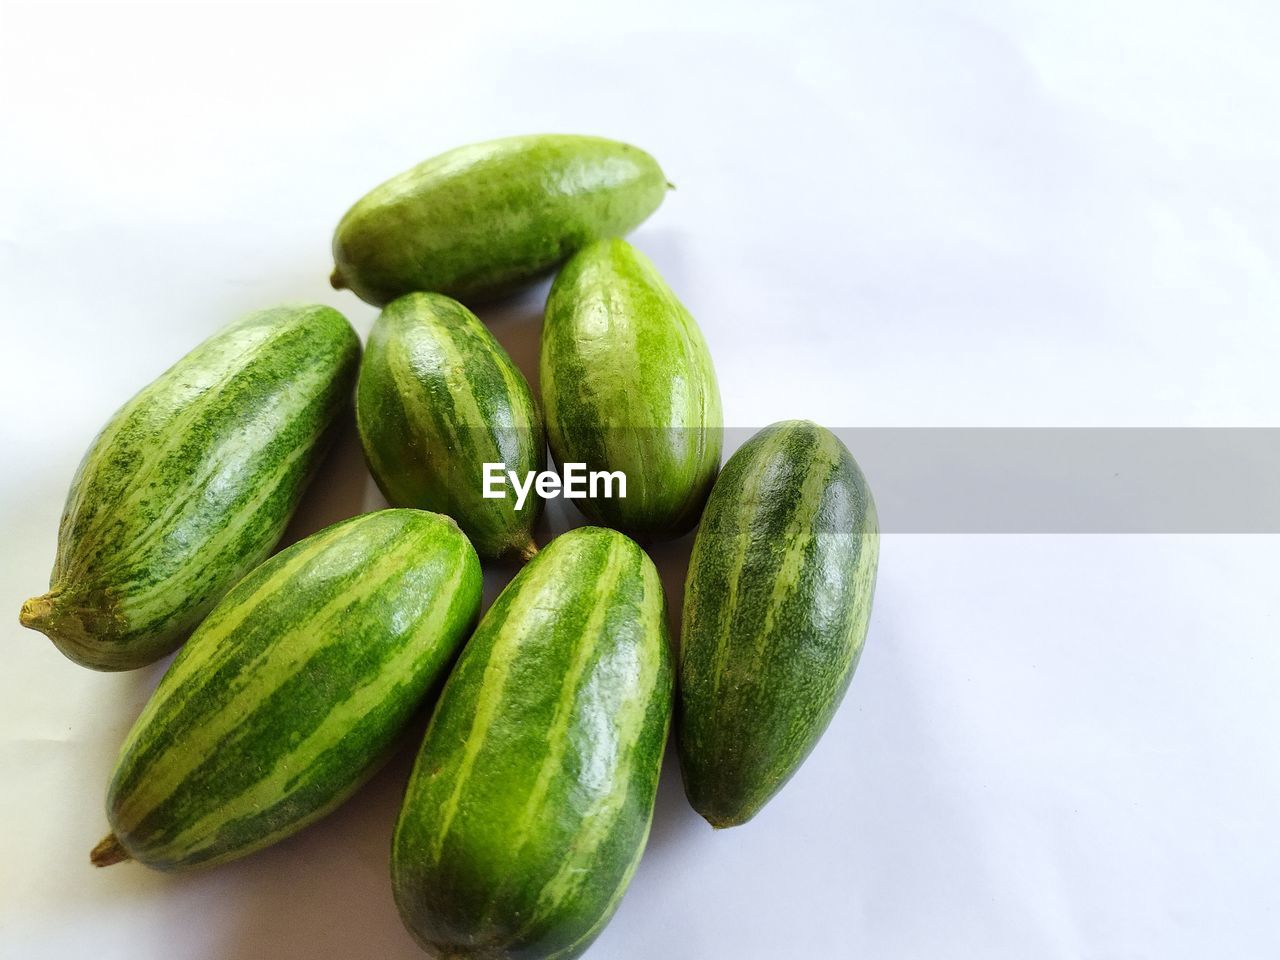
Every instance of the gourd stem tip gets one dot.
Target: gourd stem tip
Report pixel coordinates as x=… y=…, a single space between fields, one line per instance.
x=721 y=823
x=35 y=612
x=108 y=851
x=528 y=551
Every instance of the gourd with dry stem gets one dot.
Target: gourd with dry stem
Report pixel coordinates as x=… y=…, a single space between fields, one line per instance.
x=438 y=398
x=484 y=220
x=293 y=691
x=191 y=484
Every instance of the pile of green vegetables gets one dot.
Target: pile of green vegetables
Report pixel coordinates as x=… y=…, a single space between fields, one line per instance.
x=532 y=795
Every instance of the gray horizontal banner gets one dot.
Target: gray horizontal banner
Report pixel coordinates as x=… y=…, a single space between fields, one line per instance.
x=1068 y=480
x=1030 y=480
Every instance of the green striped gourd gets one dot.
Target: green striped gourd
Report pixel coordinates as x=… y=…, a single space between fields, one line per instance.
x=190 y=485
x=775 y=613
x=628 y=385
x=483 y=220
x=438 y=398
x=293 y=691
x=531 y=799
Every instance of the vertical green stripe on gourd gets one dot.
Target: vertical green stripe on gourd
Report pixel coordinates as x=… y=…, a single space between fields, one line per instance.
x=557 y=734
x=516 y=387
x=429 y=412
x=576 y=948
x=582 y=670
x=457 y=423
x=795 y=541
x=602 y=816
x=390 y=405
x=734 y=554
x=503 y=649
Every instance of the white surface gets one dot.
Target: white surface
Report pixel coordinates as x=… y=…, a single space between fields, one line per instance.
x=888 y=214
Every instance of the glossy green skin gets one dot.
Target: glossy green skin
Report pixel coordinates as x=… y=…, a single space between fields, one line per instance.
x=775 y=613
x=191 y=484
x=483 y=220
x=294 y=690
x=438 y=398
x=628 y=384
x=532 y=796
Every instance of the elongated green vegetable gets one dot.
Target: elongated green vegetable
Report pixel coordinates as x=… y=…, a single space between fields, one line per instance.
x=190 y=485
x=293 y=691
x=483 y=220
x=775 y=613
x=531 y=799
x=628 y=386
x=439 y=398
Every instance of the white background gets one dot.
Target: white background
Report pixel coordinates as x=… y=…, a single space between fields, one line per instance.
x=968 y=214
